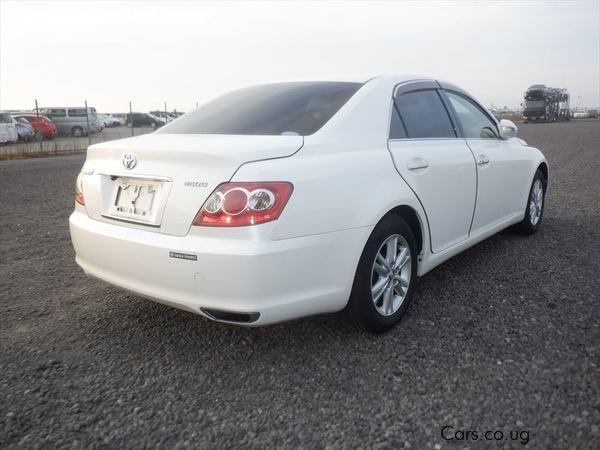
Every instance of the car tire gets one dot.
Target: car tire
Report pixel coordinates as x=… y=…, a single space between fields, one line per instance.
x=536 y=201
x=380 y=297
x=77 y=132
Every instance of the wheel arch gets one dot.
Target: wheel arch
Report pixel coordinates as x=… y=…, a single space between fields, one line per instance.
x=543 y=167
x=412 y=217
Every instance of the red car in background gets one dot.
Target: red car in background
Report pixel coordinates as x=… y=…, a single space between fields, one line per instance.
x=44 y=129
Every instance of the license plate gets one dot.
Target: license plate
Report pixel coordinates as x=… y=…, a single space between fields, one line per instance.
x=136 y=199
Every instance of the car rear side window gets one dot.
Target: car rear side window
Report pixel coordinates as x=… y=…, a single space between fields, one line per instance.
x=296 y=108
x=424 y=115
x=397 y=130
x=475 y=123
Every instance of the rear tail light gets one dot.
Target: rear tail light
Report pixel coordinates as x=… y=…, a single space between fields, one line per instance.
x=242 y=204
x=79 y=191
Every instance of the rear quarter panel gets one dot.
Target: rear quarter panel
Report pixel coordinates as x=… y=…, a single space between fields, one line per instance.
x=333 y=191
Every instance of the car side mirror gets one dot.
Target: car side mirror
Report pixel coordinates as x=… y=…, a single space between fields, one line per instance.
x=507 y=129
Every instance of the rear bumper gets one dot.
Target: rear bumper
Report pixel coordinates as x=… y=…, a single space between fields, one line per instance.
x=270 y=281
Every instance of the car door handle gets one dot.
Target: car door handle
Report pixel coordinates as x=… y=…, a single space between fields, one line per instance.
x=417 y=163
x=482 y=160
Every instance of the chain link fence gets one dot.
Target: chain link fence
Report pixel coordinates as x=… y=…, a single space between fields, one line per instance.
x=78 y=127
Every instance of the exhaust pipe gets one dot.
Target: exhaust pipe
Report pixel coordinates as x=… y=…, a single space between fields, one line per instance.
x=230 y=316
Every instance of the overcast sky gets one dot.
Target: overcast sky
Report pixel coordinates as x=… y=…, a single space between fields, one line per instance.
x=186 y=52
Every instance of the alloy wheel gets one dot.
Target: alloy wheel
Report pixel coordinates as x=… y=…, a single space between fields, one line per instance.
x=536 y=202
x=390 y=275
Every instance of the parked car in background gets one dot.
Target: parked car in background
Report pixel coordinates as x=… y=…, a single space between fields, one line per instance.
x=162 y=119
x=44 y=129
x=580 y=115
x=593 y=113
x=103 y=120
x=8 y=131
x=24 y=129
x=72 y=120
x=165 y=117
x=121 y=117
x=115 y=121
x=143 y=120
x=109 y=121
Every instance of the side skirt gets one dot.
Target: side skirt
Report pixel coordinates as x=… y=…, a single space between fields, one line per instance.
x=431 y=260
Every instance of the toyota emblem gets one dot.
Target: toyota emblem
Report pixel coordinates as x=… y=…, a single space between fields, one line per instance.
x=129 y=160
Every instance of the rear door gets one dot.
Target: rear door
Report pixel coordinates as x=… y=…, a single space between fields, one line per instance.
x=502 y=168
x=433 y=160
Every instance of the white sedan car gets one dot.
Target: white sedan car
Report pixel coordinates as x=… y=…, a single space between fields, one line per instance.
x=290 y=199
x=580 y=115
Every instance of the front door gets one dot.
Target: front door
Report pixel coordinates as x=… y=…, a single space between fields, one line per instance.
x=501 y=166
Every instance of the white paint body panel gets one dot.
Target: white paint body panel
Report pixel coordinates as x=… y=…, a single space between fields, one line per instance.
x=502 y=184
x=446 y=187
x=346 y=177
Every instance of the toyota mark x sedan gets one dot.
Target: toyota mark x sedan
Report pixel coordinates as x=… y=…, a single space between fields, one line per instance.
x=290 y=199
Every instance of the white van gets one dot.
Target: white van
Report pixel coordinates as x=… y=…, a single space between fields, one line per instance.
x=72 y=120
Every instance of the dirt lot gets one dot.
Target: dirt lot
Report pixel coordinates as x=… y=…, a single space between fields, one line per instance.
x=504 y=337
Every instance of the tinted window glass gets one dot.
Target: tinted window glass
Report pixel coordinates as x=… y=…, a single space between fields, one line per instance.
x=77 y=113
x=475 y=123
x=397 y=130
x=296 y=108
x=424 y=115
x=57 y=113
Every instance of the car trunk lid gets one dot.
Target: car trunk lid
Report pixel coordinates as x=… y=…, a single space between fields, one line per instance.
x=170 y=177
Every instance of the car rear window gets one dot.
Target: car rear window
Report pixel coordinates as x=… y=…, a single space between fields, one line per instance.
x=297 y=108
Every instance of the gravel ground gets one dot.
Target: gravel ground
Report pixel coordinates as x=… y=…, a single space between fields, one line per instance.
x=504 y=337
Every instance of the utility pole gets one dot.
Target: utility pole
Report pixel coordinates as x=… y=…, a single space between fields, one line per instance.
x=131 y=117
x=87 y=121
x=39 y=130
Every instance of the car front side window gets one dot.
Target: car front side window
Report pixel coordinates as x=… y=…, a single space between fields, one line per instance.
x=475 y=123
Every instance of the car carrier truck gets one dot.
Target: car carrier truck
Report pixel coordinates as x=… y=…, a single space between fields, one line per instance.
x=545 y=104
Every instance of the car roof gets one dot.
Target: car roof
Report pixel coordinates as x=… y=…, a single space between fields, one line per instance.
x=354 y=78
